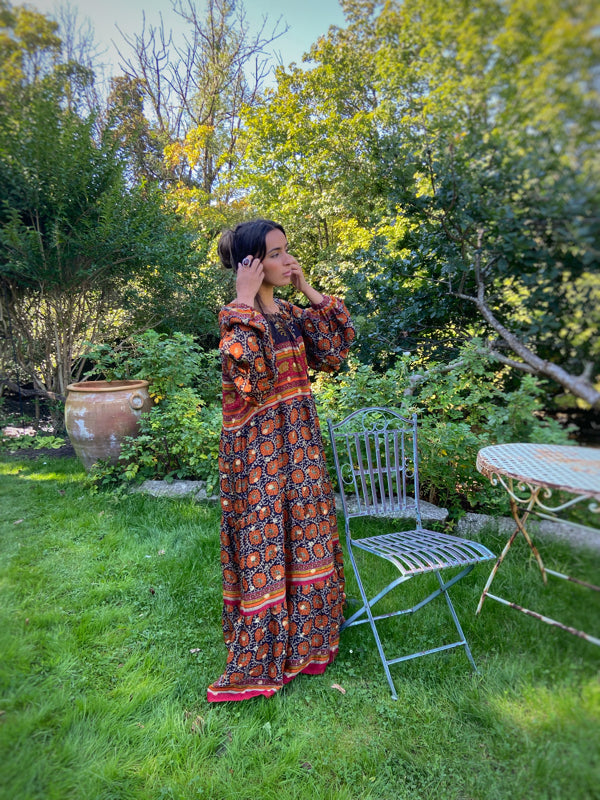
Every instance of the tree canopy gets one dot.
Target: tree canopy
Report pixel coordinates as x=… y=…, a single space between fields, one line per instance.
x=77 y=240
x=436 y=153
x=434 y=163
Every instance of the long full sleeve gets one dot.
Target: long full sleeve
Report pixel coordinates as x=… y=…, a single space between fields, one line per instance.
x=328 y=333
x=248 y=358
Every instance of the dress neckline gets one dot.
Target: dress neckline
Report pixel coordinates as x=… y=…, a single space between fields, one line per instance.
x=272 y=314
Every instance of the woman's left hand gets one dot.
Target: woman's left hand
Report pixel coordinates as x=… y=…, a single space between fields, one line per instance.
x=298 y=279
x=301 y=284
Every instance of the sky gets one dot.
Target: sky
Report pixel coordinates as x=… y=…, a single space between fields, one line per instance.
x=306 y=20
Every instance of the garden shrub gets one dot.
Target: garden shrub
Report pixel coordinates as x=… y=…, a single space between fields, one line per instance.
x=13 y=440
x=459 y=412
x=179 y=436
x=18 y=432
x=179 y=439
x=168 y=362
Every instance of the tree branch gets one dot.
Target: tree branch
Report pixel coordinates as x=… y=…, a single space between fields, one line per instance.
x=579 y=385
x=420 y=377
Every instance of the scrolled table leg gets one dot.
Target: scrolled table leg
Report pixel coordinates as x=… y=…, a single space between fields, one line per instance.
x=492 y=575
x=521 y=527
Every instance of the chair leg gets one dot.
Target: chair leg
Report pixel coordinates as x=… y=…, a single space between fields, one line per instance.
x=367 y=608
x=357 y=614
x=444 y=588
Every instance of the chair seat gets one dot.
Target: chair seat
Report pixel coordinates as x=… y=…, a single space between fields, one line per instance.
x=418 y=551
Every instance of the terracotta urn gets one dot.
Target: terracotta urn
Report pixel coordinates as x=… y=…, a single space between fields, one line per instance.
x=99 y=414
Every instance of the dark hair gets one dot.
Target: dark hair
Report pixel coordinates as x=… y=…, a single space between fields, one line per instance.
x=246 y=239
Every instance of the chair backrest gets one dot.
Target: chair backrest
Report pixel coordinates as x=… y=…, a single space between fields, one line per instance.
x=376 y=462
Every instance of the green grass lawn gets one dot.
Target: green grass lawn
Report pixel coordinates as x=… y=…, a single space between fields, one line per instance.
x=110 y=633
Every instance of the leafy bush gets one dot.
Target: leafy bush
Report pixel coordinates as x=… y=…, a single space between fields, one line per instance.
x=460 y=411
x=179 y=439
x=28 y=439
x=18 y=432
x=169 y=363
x=179 y=436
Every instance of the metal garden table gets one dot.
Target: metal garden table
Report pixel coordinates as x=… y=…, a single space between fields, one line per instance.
x=530 y=473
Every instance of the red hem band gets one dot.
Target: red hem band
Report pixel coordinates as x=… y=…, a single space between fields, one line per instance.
x=241 y=692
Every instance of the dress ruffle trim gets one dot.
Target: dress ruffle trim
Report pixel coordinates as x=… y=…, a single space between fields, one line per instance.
x=240 y=691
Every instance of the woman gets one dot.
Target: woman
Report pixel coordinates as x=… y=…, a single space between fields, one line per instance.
x=283 y=583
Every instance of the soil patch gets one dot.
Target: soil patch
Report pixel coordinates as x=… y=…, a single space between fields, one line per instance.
x=31 y=453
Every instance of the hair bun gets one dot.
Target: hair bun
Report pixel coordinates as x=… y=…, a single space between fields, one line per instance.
x=225 y=249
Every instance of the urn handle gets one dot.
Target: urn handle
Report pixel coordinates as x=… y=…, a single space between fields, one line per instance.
x=136 y=401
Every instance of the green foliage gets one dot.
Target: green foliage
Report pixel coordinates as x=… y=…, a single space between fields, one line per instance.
x=312 y=158
x=29 y=43
x=460 y=410
x=168 y=362
x=179 y=437
x=30 y=441
x=19 y=432
x=515 y=219
x=429 y=150
x=84 y=250
x=69 y=218
x=458 y=66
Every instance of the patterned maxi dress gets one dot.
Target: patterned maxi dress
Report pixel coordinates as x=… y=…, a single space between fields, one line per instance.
x=283 y=580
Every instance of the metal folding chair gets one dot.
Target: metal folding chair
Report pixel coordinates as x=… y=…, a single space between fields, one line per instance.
x=377 y=466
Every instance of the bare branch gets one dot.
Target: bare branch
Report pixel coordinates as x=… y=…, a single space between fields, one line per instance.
x=205 y=81
x=579 y=385
x=420 y=377
x=510 y=362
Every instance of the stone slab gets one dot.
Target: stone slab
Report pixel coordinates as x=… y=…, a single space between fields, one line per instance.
x=429 y=512
x=560 y=531
x=175 y=489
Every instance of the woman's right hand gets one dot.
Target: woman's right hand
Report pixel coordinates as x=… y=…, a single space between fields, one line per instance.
x=248 y=280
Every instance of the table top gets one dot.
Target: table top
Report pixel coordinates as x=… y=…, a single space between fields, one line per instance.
x=564 y=467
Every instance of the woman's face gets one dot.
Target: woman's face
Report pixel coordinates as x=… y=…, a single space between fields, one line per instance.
x=277 y=262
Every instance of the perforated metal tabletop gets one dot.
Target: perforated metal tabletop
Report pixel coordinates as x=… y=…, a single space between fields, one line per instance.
x=563 y=467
